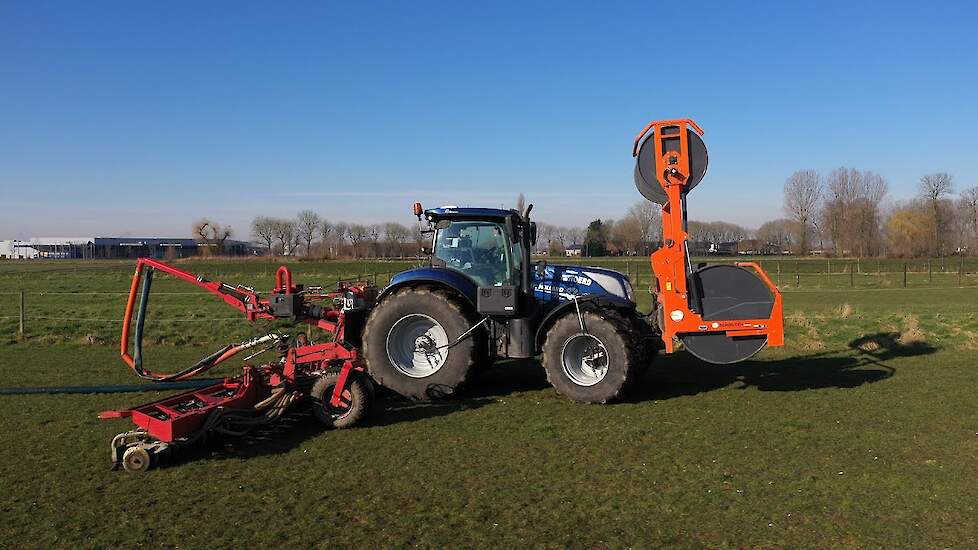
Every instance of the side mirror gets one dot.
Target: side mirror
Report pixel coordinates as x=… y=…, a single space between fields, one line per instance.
x=511 y=229
x=425 y=251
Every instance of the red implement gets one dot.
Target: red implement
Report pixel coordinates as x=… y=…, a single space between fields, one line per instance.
x=323 y=372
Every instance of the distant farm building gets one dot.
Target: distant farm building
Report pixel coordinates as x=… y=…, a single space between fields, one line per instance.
x=573 y=250
x=116 y=247
x=706 y=248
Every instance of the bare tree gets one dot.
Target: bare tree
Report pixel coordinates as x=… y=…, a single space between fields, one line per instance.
x=341 y=231
x=933 y=188
x=357 y=234
x=574 y=234
x=560 y=235
x=776 y=235
x=802 y=191
x=212 y=235
x=325 y=228
x=263 y=228
x=850 y=214
x=307 y=225
x=394 y=236
x=287 y=236
x=520 y=203
x=646 y=216
x=968 y=212
x=373 y=238
x=716 y=232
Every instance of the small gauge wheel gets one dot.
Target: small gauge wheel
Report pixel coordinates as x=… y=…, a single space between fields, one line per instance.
x=136 y=460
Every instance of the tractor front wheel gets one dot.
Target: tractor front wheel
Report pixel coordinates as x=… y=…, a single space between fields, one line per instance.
x=593 y=365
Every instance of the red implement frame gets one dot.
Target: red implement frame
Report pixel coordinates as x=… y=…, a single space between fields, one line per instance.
x=671 y=264
x=181 y=416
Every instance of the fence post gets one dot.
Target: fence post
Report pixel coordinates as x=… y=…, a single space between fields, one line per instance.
x=960 y=270
x=930 y=273
x=797 y=275
x=22 y=314
x=852 y=270
x=904 y=274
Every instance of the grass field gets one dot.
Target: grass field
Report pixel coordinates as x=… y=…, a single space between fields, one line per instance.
x=861 y=432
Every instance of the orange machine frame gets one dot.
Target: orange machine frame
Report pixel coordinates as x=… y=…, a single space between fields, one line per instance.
x=671 y=264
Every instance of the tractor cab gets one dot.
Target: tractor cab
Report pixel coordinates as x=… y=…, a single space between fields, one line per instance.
x=483 y=252
x=479 y=243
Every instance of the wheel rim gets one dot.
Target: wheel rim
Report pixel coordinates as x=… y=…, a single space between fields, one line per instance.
x=341 y=410
x=584 y=359
x=417 y=345
x=136 y=459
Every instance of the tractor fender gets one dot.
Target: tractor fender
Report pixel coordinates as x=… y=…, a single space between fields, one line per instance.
x=454 y=281
x=590 y=302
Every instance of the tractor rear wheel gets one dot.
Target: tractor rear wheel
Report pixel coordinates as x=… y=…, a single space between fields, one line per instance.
x=357 y=400
x=595 y=365
x=411 y=343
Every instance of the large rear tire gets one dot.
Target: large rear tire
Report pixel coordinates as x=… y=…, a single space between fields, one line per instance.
x=592 y=366
x=412 y=348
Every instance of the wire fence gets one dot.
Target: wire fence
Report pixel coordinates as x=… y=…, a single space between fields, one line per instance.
x=806 y=275
x=69 y=312
x=34 y=311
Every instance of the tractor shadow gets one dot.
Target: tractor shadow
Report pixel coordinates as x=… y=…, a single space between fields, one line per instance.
x=864 y=360
x=297 y=427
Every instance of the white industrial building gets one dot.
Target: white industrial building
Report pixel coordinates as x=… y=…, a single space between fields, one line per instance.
x=112 y=247
x=48 y=247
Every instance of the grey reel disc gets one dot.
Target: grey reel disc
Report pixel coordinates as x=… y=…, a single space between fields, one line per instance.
x=728 y=293
x=645 y=176
x=720 y=349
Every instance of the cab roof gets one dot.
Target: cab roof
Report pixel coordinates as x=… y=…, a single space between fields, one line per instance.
x=454 y=213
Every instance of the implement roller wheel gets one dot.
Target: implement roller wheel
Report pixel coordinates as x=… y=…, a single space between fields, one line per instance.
x=136 y=460
x=357 y=400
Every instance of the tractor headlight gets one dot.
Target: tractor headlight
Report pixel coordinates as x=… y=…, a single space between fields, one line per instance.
x=629 y=293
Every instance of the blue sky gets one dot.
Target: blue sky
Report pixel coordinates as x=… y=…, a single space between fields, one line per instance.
x=138 y=118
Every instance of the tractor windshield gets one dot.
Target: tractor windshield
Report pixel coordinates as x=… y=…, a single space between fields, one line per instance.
x=480 y=250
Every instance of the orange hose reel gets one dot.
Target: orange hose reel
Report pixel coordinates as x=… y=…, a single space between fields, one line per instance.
x=722 y=313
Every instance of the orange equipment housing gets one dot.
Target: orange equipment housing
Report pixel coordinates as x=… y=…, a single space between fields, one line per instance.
x=692 y=308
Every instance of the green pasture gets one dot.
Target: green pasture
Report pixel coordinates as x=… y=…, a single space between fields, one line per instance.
x=861 y=432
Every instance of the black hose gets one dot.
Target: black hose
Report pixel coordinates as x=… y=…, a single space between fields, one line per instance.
x=137 y=354
x=112 y=388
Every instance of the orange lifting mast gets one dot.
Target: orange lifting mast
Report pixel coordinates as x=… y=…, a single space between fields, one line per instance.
x=689 y=306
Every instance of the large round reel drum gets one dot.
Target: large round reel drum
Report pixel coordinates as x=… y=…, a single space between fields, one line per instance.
x=726 y=293
x=645 y=176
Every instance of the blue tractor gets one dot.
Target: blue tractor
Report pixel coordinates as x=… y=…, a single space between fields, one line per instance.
x=480 y=298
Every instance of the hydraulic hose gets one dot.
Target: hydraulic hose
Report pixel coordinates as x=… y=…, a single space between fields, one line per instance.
x=110 y=388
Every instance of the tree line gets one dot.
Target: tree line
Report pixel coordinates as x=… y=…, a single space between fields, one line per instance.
x=847 y=214
x=309 y=234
